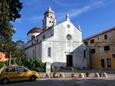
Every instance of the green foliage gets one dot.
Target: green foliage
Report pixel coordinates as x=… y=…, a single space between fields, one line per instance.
x=9 y=11
x=2 y=64
x=32 y=63
x=18 y=51
x=15 y=7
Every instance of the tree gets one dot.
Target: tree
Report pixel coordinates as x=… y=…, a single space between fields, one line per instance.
x=9 y=11
x=18 y=51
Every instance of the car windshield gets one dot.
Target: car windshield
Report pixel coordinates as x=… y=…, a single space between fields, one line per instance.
x=21 y=69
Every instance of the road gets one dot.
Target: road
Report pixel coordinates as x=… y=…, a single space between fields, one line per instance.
x=83 y=82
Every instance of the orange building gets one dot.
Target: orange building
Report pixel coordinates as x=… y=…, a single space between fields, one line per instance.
x=102 y=49
x=3 y=56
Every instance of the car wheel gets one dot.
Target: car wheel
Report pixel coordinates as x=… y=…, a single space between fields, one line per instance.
x=33 y=78
x=5 y=81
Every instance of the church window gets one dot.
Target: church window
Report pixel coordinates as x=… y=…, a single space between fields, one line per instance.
x=68 y=26
x=84 y=53
x=49 y=51
x=69 y=37
x=37 y=40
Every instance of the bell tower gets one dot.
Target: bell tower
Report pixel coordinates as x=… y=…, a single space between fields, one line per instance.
x=49 y=18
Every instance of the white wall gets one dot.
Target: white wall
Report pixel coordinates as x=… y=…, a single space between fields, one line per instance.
x=56 y=38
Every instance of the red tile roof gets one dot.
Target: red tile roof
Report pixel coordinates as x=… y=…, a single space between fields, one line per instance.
x=35 y=30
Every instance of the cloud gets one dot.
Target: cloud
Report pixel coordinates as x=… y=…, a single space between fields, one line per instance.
x=19 y=20
x=77 y=12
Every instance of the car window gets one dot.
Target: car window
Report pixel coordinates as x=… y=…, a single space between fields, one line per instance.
x=21 y=69
x=10 y=69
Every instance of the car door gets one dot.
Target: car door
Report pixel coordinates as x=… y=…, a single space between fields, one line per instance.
x=22 y=73
x=10 y=73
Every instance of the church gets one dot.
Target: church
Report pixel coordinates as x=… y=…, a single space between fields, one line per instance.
x=60 y=44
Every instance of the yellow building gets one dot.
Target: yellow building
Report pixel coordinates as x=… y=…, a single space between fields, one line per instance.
x=102 y=49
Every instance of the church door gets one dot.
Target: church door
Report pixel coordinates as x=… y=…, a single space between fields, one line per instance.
x=69 y=60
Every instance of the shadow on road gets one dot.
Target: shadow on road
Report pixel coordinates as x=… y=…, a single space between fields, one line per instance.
x=75 y=82
x=15 y=82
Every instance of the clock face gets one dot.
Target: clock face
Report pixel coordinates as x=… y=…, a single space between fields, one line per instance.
x=69 y=37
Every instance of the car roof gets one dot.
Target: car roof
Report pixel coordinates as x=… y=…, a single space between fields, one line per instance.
x=4 y=67
x=11 y=66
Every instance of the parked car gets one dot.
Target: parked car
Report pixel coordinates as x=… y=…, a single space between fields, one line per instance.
x=17 y=73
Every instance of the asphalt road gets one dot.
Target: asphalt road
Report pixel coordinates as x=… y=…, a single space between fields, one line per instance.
x=84 y=82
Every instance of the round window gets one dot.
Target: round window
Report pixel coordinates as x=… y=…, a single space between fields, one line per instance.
x=68 y=26
x=69 y=37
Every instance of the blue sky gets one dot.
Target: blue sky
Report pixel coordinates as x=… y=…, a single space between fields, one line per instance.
x=92 y=15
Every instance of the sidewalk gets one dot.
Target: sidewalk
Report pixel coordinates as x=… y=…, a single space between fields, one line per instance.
x=68 y=76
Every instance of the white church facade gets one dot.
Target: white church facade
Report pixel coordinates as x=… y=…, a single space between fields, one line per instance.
x=59 y=44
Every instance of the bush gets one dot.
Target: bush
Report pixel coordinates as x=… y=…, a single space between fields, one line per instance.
x=32 y=63
x=2 y=64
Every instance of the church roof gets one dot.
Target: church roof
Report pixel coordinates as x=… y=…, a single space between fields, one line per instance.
x=35 y=30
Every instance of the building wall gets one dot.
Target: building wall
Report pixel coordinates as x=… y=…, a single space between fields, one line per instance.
x=34 y=48
x=60 y=46
x=56 y=39
x=100 y=53
x=32 y=34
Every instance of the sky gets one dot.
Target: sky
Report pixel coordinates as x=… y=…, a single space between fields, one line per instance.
x=93 y=16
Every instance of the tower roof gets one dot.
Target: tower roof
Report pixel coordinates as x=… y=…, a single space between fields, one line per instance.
x=35 y=30
x=49 y=10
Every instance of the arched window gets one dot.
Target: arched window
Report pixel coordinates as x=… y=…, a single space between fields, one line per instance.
x=49 y=51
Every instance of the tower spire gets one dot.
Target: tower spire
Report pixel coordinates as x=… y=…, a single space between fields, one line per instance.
x=50 y=9
x=67 y=17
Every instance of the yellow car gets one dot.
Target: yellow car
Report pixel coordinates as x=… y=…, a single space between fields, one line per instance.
x=17 y=73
